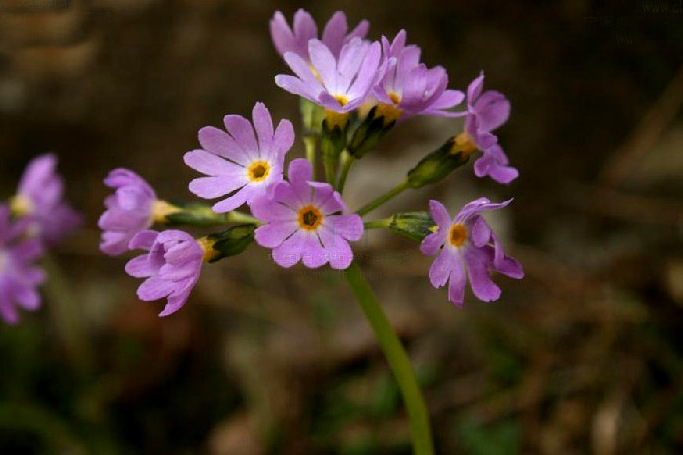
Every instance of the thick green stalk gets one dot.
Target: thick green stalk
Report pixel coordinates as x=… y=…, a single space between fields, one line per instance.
x=347 y=162
x=369 y=207
x=377 y=224
x=398 y=361
x=309 y=143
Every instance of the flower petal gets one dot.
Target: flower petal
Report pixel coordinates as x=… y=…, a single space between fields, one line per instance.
x=272 y=235
x=289 y=252
x=478 y=272
x=442 y=266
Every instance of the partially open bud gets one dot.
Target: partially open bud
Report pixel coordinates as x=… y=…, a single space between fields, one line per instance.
x=438 y=164
x=414 y=225
x=230 y=242
x=374 y=126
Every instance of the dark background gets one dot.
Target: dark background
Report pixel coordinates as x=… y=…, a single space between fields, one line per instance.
x=581 y=356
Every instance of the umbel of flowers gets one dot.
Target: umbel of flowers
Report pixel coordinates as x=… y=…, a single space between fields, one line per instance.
x=32 y=221
x=352 y=91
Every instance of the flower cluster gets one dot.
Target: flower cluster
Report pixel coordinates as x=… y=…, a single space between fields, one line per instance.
x=352 y=92
x=33 y=220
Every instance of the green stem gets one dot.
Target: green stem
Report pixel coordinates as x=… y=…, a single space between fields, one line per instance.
x=329 y=170
x=67 y=315
x=397 y=358
x=369 y=207
x=347 y=162
x=377 y=224
x=309 y=143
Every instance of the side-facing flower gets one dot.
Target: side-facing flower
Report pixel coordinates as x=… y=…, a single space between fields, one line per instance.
x=487 y=111
x=236 y=163
x=171 y=266
x=296 y=39
x=408 y=87
x=129 y=210
x=304 y=220
x=40 y=197
x=467 y=248
x=339 y=84
x=19 y=276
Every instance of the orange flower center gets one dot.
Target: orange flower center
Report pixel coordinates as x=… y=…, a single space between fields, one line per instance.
x=457 y=235
x=310 y=218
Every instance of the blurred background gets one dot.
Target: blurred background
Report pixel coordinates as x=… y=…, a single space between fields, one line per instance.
x=584 y=355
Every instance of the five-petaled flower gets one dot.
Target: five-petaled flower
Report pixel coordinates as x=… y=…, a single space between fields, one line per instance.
x=171 y=266
x=296 y=39
x=487 y=111
x=467 y=248
x=40 y=198
x=305 y=220
x=236 y=163
x=339 y=84
x=129 y=210
x=19 y=276
x=408 y=87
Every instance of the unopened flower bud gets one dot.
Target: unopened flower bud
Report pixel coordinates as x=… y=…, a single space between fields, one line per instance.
x=414 y=225
x=230 y=242
x=374 y=126
x=438 y=164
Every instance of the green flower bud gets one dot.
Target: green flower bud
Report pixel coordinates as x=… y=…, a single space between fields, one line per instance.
x=438 y=164
x=372 y=129
x=413 y=225
x=230 y=242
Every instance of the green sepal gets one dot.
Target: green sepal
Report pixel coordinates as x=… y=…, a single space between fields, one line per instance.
x=231 y=242
x=196 y=214
x=437 y=165
x=312 y=116
x=369 y=133
x=413 y=225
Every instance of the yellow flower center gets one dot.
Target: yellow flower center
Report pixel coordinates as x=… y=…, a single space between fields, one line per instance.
x=457 y=235
x=21 y=205
x=258 y=171
x=310 y=218
x=341 y=99
x=463 y=143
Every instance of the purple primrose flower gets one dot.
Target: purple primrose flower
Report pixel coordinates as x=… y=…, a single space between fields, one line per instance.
x=40 y=198
x=467 y=248
x=171 y=266
x=335 y=34
x=236 y=163
x=410 y=86
x=304 y=220
x=486 y=112
x=129 y=210
x=340 y=84
x=19 y=276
